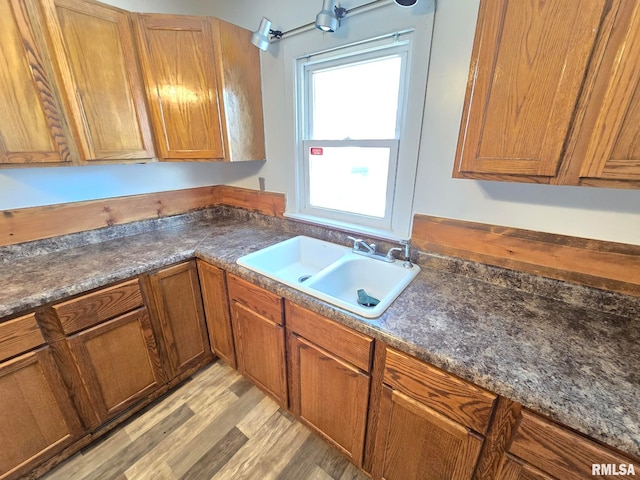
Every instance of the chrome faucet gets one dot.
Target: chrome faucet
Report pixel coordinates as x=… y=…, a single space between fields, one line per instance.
x=358 y=242
x=369 y=250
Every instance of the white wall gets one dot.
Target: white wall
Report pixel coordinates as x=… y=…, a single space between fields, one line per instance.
x=606 y=214
x=26 y=187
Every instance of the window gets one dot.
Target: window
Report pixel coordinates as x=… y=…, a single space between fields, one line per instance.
x=351 y=112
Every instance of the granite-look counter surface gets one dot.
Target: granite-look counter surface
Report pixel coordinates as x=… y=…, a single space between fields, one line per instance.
x=569 y=352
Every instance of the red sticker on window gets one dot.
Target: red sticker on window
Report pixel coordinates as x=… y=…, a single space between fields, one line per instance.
x=316 y=151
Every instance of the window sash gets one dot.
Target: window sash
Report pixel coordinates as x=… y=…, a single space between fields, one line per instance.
x=344 y=216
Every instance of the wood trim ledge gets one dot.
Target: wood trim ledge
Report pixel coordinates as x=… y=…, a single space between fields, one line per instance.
x=595 y=263
x=35 y=223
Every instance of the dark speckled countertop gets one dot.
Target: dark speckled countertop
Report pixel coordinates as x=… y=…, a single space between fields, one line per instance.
x=567 y=351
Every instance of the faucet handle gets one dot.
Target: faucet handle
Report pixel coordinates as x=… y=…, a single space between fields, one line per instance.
x=355 y=241
x=390 y=256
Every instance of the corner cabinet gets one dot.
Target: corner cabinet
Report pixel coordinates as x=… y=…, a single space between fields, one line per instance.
x=94 y=52
x=213 y=284
x=551 y=94
x=430 y=423
x=33 y=130
x=202 y=82
x=179 y=317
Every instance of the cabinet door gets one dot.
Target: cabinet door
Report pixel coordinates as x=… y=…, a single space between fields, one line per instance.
x=547 y=447
x=118 y=361
x=216 y=309
x=178 y=65
x=178 y=302
x=260 y=350
x=527 y=70
x=95 y=55
x=612 y=129
x=37 y=419
x=416 y=442
x=238 y=71
x=329 y=395
x=32 y=130
x=514 y=469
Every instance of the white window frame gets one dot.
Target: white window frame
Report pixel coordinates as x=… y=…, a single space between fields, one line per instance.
x=399 y=190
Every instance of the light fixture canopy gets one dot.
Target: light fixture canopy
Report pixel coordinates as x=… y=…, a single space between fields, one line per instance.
x=260 y=38
x=328 y=19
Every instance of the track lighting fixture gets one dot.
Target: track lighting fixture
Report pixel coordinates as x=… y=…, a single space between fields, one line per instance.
x=328 y=19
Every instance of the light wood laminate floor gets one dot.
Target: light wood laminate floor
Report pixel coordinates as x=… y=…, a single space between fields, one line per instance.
x=216 y=426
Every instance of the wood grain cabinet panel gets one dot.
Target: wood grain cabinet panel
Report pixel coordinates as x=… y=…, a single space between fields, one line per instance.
x=118 y=362
x=330 y=395
x=203 y=87
x=178 y=307
x=548 y=450
x=216 y=308
x=93 y=308
x=19 y=335
x=431 y=424
x=177 y=56
x=528 y=66
x=33 y=129
x=416 y=442
x=95 y=56
x=259 y=336
x=238 y=69
x=608 y=146
x=37 y=419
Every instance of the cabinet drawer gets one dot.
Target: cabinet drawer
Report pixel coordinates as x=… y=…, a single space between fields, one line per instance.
x=333 y=337
x=96 y=307
x=19 y=335
x=255 y=298
x=558 y=451
x=457 y=399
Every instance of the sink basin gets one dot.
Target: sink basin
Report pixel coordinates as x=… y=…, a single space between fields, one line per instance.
x=295 y=260
x=384 y=281
x=332 y=273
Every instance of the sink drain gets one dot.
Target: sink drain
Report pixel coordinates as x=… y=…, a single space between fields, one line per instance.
x=304 y=278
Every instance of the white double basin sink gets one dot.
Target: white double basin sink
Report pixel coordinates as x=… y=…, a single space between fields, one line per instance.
x=333 y=273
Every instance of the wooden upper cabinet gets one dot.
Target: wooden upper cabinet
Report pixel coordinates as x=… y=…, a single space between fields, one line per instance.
x=608 y=146
x=203 y=86
x=529 y=61
x=184 y=96
x=33 y=130
x=95 y=57
x=238 y=67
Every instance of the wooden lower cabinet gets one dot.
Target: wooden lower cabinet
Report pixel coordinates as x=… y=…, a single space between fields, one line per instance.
x=216 y=309
x=416 y=442
x=118 y=361
x=541 y=449
x=180 y=322
x=431 y=425
x=259 y=336
x=326 y=391
x=37 y=418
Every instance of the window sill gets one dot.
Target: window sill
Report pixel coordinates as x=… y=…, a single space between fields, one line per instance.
x=346 y=227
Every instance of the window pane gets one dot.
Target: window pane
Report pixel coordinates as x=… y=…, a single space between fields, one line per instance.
x=356 y=101
x=349 y=179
